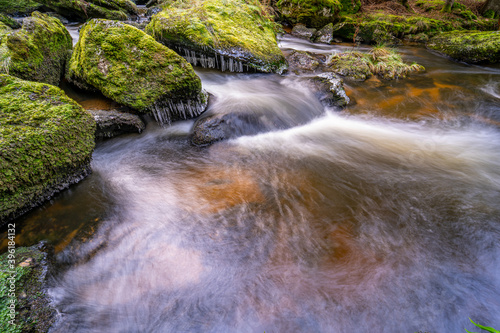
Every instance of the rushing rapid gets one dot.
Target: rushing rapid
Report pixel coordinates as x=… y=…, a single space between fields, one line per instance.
x=383 y=217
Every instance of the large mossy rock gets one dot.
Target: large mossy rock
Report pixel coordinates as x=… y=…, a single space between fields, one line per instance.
x=314 y=13
x=19 y=7
x=131 y=68
x=46 y=143
x=82 y=10
x=36 y=52
x=469 y=46
x=234 y=35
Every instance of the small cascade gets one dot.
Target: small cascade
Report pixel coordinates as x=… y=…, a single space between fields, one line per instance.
x=167 y=110
x=217 y=61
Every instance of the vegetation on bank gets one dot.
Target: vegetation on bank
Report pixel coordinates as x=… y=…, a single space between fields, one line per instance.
x=32 y=310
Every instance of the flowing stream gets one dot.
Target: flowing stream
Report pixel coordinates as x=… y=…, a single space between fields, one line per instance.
x=382 y=217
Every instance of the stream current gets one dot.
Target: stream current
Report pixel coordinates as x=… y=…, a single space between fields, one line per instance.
x=382 y=217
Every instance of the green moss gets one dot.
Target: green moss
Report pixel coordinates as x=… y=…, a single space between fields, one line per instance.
x=129 y=66
x=84 y=9
x=350 y=6
x=18 y=7
x=9 y=21
x=380 y=61
x=46 y=138
x=469 y=46
x=38 y=51
x=27 y=268
x=314 y=13
x=234 y=29
x=384 y=28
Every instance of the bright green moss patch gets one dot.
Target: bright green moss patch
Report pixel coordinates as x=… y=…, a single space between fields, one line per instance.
x=380 y=61
x=223 y=31
x=313 y=13
x=38 y=51
x=469 y=46
x=26 y=268
x=130 y=67
x=46 y=142
x=84 y=9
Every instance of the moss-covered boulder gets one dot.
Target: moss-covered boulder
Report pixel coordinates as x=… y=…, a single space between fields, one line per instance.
x=469 y=46
x=46 y=143
x=314 y=13
x=36 y=52
x=23 y=289
x=19 y=7
x=131 y=68
x=82 y=10
x=233 y=35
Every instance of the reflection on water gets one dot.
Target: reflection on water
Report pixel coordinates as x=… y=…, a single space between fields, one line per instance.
x=383 y=217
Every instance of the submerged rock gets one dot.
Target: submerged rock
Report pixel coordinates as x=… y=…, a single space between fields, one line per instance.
x=111 y=123
x=232 y=35
x=46 y=143
x=33 y=305
x=38 y=51
x=83 y=10
x=131 y=68
x=468 y=46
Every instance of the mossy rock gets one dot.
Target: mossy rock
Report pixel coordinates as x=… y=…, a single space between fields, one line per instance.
x=27 y=268
x=381 y=61
x=19 y=7
x=131 y=68
x=313 y=13
x=233 y=35
x=38 y=51
x=469 y=46
x=82 y=10
x=46 y=143
x=9 y=21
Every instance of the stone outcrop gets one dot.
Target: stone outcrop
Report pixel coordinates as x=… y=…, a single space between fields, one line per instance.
x=82 y=10
x=46 y=143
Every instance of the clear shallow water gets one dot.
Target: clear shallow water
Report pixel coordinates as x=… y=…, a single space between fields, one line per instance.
x=383 y=217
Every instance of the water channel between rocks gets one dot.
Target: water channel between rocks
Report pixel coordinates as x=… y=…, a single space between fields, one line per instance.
x=382 y=217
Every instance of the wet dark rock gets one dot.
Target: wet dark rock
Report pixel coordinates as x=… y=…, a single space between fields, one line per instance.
x=111 y=123
x=34 y=310
x=211 y=129
x=302 y=62
x=325 y=34
x=329 y=89
x=301 y=31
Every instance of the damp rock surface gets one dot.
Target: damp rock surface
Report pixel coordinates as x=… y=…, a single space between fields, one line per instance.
x=232 y=35
x=111 y=123
x=46 y=143
x=131 y=68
